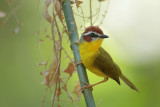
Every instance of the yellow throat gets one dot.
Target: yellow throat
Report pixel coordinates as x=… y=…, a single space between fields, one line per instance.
x=88 y=52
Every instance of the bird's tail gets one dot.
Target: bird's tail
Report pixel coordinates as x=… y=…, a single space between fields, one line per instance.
x=128 y=82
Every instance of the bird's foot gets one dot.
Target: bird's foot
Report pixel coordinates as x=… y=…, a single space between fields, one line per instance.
x=87 y=86
x=90 y=86
x=80 y=62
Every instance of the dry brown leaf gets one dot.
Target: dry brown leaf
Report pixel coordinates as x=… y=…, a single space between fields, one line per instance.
x=58 y=92
x=47 y=16
x=77 y=91
x=69 y=94
x=78 y=3
x=58 y=9
x=57 y=6
x=48 y=2
x=51 y=76
x=64 y=31
x=59 y=105
x=72 y=2
x=41 y=40
x=71 y=68
x=45 y=79
x=46 y=13
x=53 y=72
x=2 y=14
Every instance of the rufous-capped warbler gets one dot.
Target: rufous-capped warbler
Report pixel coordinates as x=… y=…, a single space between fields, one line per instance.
x=96 y=59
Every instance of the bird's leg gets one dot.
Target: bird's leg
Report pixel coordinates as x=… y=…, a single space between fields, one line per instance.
x=85 y=87
x=80 y=62
x=90 y=86
x=105 y=79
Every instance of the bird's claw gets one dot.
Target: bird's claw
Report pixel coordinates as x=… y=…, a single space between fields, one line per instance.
x=87 y=86
x=80 y=62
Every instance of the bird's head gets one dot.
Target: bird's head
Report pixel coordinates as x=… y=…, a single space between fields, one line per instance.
x=92 y=35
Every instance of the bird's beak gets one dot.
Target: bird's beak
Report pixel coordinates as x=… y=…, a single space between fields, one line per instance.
x=104 y=36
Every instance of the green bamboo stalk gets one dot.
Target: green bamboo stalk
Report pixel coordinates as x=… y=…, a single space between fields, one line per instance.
x=73 y=34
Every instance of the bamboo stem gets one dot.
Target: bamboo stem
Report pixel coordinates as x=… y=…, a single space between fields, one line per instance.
x=73 y=34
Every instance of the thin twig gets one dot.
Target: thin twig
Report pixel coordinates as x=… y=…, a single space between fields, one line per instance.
x=60 y=40
x=98 y=11
x=44 y=96
x=39 y=45
x=13 y=10
x=83 y=16
x=54 y=17
x=86 y=17
x=54 y=95
x=48 y=59
x=67 y=54
x=55 y=73
x=91 y=12
x=106 y=11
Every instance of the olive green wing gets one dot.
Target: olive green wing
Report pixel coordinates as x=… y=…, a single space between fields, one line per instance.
x=104 y=62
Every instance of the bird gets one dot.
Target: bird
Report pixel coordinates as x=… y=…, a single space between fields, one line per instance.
x=97 y=60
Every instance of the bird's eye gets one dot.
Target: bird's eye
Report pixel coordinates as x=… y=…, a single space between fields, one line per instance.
x=93 y=35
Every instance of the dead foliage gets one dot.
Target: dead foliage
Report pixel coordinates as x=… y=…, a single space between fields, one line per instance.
x=77 y=91
x=71 y=68
x=69 y=94
x=46 y=14
x=57 y=33
x=52 y=74
x=78 y=3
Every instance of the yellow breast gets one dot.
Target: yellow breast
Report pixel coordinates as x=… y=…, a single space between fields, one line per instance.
x=88 y=52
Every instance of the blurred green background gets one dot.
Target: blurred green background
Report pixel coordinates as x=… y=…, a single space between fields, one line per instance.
x=133 y=27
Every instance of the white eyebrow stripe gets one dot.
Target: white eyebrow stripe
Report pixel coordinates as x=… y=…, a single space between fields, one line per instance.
x=91 y=32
